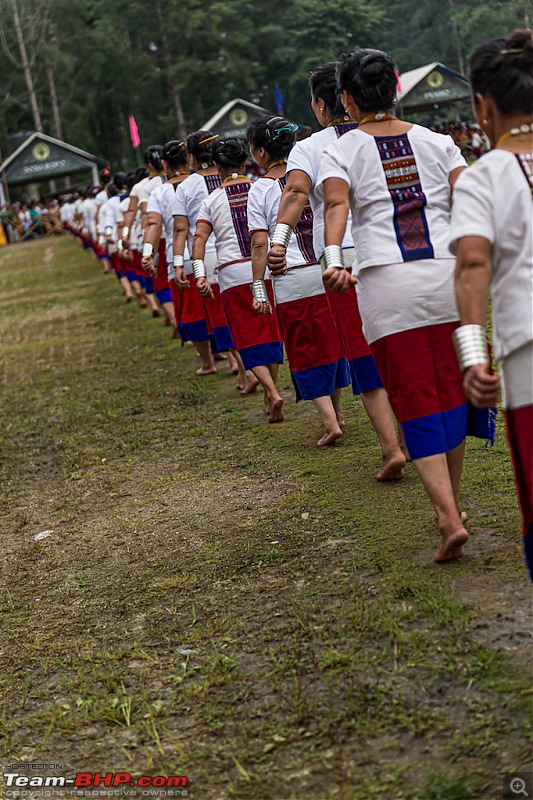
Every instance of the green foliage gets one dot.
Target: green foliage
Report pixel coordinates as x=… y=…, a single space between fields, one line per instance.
x=113 y=58
x=441 y=787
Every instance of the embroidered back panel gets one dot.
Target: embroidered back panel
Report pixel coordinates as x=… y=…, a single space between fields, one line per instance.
x=238 y=199
x=344 y=127
x=525 y=161
x=403 y=181
x=304 y=229
x=212 y=182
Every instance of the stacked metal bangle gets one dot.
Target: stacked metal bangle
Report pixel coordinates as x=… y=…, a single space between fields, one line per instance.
x=125 y=231
x=282 y=235
x=259 y=291
x=108 y=230
x=333 y=257
x=198 y=268
x=178 y=261
x=471 y=345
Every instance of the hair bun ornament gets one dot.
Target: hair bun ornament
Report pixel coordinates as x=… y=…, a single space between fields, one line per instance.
x=519 y=43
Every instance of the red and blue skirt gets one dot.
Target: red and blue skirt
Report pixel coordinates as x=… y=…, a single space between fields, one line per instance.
x=314 y=351
x=257 y=336
x=409 y=314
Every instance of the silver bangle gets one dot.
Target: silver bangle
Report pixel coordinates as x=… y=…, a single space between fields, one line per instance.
x=259 y=292
x=471 y=346
x=120 y=245
x=198 y=268
x=282 y=235
x=148 y=249
x=108 y=230
x=101 y=239
x=178 y=261
x=333 y=257
x=125 y=231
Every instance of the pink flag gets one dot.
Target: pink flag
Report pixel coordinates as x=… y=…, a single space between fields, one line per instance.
x=134 y=133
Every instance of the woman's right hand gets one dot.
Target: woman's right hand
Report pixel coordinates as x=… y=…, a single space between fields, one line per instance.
x=180 y=280
x=261 y=308
x=204 y=287
x=277 y=260
x=481 y=388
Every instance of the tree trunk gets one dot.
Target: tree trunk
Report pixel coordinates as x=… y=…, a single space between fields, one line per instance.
x=58 y=131
x=174 y=91
x=458 y=48
x=26 y=68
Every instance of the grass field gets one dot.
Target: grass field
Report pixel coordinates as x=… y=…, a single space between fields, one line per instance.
x=221 y=599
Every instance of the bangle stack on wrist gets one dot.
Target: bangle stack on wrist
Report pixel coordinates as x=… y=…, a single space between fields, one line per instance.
x=148 y=249
x=282 y=235
x=198 y=268
x=259 y=291
x=108 y=230
x=125 y=231
x=471 y=346
x=333 y=257
x=178 y=261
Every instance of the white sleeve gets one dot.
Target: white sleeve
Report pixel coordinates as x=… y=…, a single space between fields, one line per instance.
x=472 y=210
x=299 y=158
x=205 y=214
x=153 y=203
x=257 y=220
x=179 y=204
x=331 y=166
x=455 y=157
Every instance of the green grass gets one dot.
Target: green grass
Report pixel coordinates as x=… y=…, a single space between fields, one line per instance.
x=219 y=597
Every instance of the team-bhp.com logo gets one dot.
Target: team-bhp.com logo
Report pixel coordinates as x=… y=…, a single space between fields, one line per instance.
x=17 y=783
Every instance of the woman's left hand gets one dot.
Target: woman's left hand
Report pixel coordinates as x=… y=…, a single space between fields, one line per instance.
x=338 y=280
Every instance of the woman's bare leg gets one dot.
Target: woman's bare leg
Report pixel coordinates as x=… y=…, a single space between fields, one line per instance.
x=326 y=409
x=273 y=400
x=208 y=364
x=379 y=411
x=126 y=288
x=435 y=475
x=336 y=400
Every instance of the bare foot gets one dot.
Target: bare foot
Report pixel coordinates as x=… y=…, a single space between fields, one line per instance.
x=220 y=357
x=330 y=437
x=453 y=537
x=141 y=302
x=251 y=384
x=206 y=370
x=156 y=312
x=392 y=469
x=167 y=322
x=276 y=412
x=340 y=419
x=128 y=298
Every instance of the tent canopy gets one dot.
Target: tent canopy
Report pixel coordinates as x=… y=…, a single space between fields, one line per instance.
x=432 y=85
x=42 y=158
x=233 y=119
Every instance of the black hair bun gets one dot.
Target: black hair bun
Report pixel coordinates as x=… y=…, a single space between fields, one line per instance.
x=173 y=149
x=373 y=67
x=519 y=47
x=229 y=153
